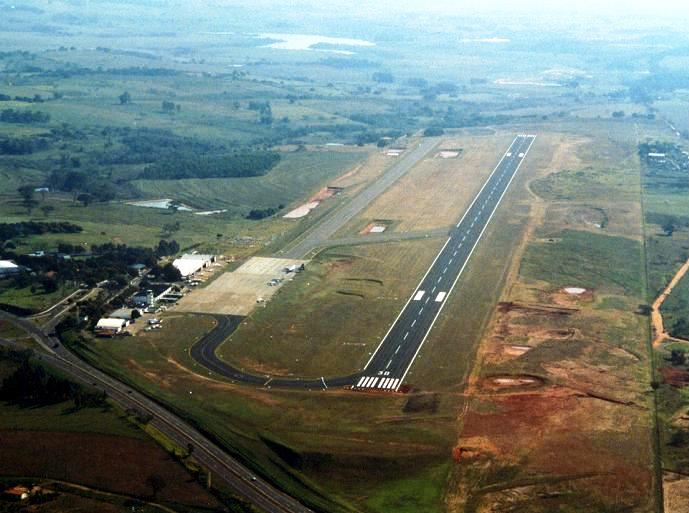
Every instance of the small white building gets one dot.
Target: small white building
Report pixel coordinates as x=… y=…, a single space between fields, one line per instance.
x=8 y=268
x=108 y=326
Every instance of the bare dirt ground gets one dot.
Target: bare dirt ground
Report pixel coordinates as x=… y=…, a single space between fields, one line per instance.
x=237 y=292
x=112 y=463
x=437 y=191
x=557 y=414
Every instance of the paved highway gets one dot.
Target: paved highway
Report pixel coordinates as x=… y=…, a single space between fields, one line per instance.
x=314 y=237
x=223 y=466
x=390 y=363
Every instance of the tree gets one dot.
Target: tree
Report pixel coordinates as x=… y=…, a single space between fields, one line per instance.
x=135 y=314
x=27 y=194
x=171 y=273
x=678 y=357
x=85 y=198
x=47 y=209
x=156 y=483
x=669 y=227
x=173 y=206
x=125 y=98
x=170 y=228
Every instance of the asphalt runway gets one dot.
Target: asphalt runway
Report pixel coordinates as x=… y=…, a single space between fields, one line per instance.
x=390 y=363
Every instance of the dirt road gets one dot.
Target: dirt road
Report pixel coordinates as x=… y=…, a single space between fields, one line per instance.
x=656 y=317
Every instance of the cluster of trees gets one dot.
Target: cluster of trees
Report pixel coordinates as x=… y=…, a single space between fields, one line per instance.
x=106 y=262
x=23 y=116
x=265 y=112
x=144 y=145
x=170 y=107
x=33 y=385
x=85 y=187
x=230 y=166
x=166 y=248
x=36 y=98
x=22 y=229
x=262 y=213
x=22 y=145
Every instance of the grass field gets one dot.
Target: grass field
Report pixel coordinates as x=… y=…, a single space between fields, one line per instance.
x=296 y=177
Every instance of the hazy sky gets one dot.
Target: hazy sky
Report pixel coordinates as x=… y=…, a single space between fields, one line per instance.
x=657 y=7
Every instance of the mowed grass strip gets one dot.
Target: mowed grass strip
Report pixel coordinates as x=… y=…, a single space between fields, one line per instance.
x=584 y=259
x=331 y=317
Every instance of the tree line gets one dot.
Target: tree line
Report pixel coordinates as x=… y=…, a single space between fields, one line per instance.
x=32 y=384
x=23 y=116
x=229 y=166
x=25 y=228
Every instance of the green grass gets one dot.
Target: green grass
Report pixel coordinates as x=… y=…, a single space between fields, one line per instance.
x=583 y=259
x=62 y=417
x=33 y=300
x=412 y=495
x=10 y=330
x=331 y=317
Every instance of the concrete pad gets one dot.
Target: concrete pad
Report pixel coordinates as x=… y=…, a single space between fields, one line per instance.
x=236 y=293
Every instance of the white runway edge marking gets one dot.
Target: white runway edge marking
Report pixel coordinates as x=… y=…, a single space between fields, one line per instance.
x=419 y=295
x=407 y=303
x=323 y=380
x=440 y=296
x=466 y=212
x=533 y=138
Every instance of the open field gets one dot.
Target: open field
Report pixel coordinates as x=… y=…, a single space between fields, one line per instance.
x=551 y=360
x=436 y=192
x=332 y=316
x=297 y=176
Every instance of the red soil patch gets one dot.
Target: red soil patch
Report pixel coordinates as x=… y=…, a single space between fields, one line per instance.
x=105 y=462
x=675 y=377
x=549 y=433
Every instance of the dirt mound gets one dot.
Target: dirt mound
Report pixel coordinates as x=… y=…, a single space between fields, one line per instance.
x=513 y=381
x=516 y=350
x=571 y=295
x=427 y=403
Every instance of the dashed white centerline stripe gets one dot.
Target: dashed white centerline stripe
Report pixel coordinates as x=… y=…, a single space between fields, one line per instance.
x=413 y=322
x=405 y=336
